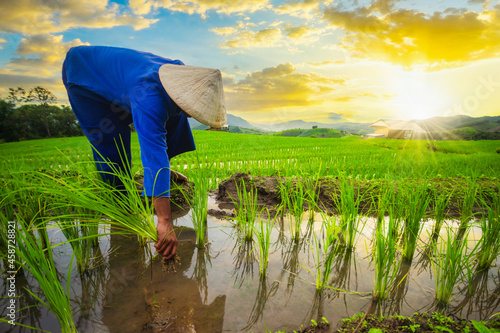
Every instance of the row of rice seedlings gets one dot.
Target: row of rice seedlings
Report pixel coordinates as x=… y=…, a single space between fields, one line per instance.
x=348 y=204
x=246 y=208
x=36 y=258
x=385 y=257
x=451 y=264
x=417 y=202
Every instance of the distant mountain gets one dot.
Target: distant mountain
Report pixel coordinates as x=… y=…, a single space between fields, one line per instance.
x=232 y=120
x=440 y=124
x=278 y=127
x=435 y=124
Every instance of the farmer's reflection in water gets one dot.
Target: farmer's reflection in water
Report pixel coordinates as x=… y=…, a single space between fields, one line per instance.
x=157 y=301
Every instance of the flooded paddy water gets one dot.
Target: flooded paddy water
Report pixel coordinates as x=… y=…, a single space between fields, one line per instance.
x=219 y=288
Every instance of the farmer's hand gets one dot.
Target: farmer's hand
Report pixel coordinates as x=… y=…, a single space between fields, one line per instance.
x=167 y=241
x=178 y=176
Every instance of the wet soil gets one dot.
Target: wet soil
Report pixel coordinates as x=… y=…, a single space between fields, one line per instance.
x=328 y=189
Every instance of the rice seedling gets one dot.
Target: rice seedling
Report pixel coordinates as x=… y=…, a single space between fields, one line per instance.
x=37 y=259
x=198 y=202
x=489 y=245
x=246 y=208
x=262 y=232
x=417 y=203
x=82 y=240
x=124 y=207
x=312 y=193
x=440 y=206
x=466 y=203
x=451 y=265
x=323 y=252
x=293 y=198
x=348 y=203
x=385 y=258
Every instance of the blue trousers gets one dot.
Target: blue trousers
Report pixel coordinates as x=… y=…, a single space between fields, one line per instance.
x=107 y=128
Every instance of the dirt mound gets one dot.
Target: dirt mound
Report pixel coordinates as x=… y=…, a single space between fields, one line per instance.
x=267 y=189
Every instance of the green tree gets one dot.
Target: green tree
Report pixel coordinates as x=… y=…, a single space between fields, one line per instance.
x=44 y=97
x=9 y=126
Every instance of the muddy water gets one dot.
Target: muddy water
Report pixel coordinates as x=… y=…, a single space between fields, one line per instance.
x=218 y=289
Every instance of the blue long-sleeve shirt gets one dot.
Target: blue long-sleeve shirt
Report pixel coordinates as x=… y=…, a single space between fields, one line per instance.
x=129 y=79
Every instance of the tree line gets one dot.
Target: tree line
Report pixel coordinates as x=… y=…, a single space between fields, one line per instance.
x=27 y=115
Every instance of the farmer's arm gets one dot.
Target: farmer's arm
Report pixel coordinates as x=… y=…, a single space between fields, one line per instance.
x=167 y=241
x=149 y=123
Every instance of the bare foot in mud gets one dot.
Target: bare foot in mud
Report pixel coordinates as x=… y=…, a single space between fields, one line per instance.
x=169 y=265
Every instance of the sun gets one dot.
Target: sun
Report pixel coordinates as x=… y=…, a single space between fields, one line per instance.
x=417 y=96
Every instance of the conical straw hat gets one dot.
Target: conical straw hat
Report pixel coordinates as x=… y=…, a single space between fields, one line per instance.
x=196 y=90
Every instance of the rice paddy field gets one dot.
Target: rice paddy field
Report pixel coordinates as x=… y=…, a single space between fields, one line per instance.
x=274 y=233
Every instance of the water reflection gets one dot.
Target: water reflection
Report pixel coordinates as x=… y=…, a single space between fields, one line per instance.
x=481 y=294
x=244 y=260
x=264 y=292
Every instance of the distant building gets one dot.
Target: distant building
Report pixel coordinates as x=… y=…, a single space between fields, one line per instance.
x=396 y=129
x=224 y=128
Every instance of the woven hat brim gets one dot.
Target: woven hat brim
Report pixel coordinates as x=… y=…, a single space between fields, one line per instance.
x=196 y=90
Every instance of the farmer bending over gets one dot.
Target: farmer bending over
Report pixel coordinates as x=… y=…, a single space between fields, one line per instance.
x=110 y=88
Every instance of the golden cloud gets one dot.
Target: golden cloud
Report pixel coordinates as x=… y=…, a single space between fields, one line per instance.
x=261 y=38
x=32 y=16
x=203 y=6
x=278 y=87
x=297 y=32
x=413 y=39
x=41 y=55
x=241 y=36
x=304 y=9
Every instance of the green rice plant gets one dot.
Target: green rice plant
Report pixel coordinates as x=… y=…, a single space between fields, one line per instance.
x=348 y=203
x=198 y=202
x=246 y=208
x=262 y=232
x=451 y=264
x=417 y=203
x=82 y=238
x=124 y=207
x=385 y=258
x=37 y=259
x=293 y=197
x=312 y=193
x=466 y=203
x=330 y=226
x=440 y=206
x=489 y=245
x=323 y=252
